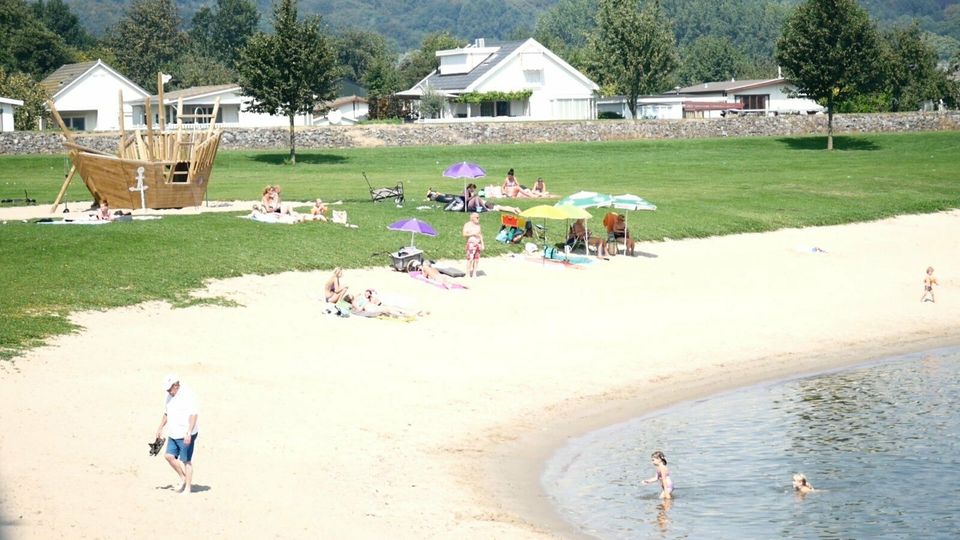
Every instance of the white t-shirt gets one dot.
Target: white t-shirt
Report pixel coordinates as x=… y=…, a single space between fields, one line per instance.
x=178 y=409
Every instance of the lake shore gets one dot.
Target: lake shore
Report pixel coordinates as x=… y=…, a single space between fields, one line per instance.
x=316 y=425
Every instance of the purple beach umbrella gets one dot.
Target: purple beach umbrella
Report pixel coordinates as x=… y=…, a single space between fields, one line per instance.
x=413 y=226
x=464 y=170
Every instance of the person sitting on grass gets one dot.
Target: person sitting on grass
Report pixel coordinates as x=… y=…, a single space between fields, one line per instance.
x=476 y=204
x=318 y=211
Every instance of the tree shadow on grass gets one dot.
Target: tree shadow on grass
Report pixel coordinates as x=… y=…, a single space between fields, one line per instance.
x=309 y=159
x=841 y=143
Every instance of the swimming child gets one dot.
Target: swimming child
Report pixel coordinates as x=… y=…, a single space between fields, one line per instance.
x=928 y=282
x=663 y=475
x=800 y=484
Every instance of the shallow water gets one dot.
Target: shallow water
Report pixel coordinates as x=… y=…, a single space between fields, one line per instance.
x=879 y=443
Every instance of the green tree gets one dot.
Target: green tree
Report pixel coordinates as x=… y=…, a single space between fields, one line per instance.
x=358 y=50
x=830 y=50
x=383 y=78
x=288 y=72
x=710 y=58
x=194 y=69
x=912 y=74
x=634 y=49
x=223 y=31
x=565 y=29
x=57 y=17
x=147 y=40
x=26 y=45
x=21 y=86
x=422 y=62
x=432 y=103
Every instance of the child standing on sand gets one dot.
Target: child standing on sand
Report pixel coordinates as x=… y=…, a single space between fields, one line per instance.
x=928 y=282
x=663 y=475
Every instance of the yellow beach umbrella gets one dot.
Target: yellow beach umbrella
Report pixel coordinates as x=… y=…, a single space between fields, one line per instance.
x=546 y=212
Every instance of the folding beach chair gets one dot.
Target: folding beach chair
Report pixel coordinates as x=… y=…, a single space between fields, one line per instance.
x=380 y=194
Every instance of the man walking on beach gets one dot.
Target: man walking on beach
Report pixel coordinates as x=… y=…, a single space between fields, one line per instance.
x=180 y=416
x=474 y=238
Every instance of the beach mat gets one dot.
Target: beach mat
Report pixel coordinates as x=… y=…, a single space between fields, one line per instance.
x=420 y=277
x=272 y=217
x=75 y=222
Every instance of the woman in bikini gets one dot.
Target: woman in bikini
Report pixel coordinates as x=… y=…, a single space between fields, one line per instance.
x=663 y=475
x=332 y=290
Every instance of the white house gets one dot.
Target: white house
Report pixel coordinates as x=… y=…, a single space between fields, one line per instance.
x=87 y=95
x=539 y=84
x=6 y=112
x=350 y=107
x=200 y=100
x=718 y=99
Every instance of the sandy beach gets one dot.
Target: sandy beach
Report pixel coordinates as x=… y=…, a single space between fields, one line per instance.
x=319 y=426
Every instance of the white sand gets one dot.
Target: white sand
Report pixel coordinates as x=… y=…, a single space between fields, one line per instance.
x=315 y=426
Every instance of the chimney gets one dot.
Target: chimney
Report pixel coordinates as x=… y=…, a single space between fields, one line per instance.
x=779 y=73
x=479 y=43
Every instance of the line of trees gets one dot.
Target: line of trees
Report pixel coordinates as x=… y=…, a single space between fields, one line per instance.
x=831 y=48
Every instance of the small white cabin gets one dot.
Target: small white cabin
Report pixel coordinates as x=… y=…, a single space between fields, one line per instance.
x=87 y=95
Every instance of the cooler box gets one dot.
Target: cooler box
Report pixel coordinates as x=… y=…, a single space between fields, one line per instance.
x=403 y=259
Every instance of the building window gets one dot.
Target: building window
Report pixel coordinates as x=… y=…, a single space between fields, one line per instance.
x=754 y=102
x=486 y=108
x=76 y=123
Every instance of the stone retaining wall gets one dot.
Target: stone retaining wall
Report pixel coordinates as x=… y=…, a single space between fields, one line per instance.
x=32 y=142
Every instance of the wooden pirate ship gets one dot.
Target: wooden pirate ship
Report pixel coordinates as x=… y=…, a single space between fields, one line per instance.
x=152 y=169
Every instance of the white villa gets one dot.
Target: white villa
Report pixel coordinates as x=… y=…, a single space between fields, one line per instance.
x=6 y=112
x=717 y=99
x=540 y=84
x=200 y=100
x=87 y=95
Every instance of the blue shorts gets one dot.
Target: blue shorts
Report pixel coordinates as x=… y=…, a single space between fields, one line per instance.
x=183 y=452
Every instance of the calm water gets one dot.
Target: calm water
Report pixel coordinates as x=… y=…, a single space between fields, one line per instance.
x=879 y=443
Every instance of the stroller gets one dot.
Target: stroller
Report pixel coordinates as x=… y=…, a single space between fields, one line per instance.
x=380 y=194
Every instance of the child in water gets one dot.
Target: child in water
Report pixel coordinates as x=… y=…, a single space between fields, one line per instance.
x=928 y=282
x=800 y=484
x=663 y=475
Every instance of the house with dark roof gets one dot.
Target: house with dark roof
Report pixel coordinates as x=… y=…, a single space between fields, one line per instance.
x=88 y=95
x=6 y=112
x=512 y=80
x=198 y=102
x=717 y=99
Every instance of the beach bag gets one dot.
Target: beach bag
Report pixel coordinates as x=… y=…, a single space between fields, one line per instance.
x=339 y=216
x=455 y=205
x=503 y=235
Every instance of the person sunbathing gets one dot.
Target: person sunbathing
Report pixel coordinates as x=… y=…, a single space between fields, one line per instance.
x=477 y=204
x=540 y=187
x=511 y=188
x=370 y=302
x=428 y=271
x=616 y=226
x=578 y=233
x=436 y=196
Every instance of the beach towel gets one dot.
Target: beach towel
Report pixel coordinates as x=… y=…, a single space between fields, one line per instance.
x=75 y=222
x=420 y=277
x=271 y=217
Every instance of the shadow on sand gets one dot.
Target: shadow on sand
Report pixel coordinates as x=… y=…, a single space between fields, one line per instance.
x=840 y=142
x=197 y=488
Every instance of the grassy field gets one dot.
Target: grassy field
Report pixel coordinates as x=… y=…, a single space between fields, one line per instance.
x=702 y=187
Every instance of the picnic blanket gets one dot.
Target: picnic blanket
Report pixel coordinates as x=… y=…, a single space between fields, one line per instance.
x=271 y=217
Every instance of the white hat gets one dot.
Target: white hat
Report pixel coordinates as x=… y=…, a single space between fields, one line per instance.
x=169 y=380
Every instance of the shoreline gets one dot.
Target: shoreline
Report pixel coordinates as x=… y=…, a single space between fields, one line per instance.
x=316 y=425
x=516 y=468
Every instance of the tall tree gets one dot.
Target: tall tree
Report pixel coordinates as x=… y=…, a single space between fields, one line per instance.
x=565 y=29
x=21 y=86
x=358 y=50
x=26 y=45
x=290 y=71
x=711 y=58
x=148 y=39
x=223 y=31
x=830 y=50
x=913 y=77
x=57 y=17
x=634 y=48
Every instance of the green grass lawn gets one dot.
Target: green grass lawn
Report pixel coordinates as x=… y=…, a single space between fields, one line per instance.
x=703 y=187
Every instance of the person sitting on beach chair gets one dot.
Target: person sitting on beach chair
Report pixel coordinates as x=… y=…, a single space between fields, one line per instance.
x=578 y=235
x=616 y=225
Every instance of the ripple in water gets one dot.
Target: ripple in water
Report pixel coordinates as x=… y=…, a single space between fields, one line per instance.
x=879 y=444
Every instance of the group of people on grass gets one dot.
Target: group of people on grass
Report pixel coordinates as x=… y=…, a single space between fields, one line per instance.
x=471 y=201
x=270 y=203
